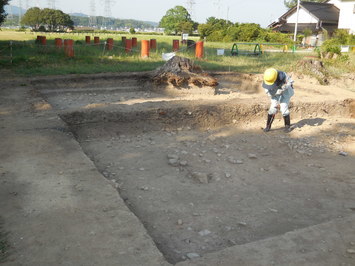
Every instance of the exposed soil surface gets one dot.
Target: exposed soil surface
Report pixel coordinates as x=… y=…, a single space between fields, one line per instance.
x=195 y=166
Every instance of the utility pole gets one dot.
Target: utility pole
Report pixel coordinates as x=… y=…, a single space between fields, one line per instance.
x=19 y=12
x=51 y=4
x=218 y=4
x=92 y=20
x=191 y=7
x=227 y=13
x=107 y=11
x=296 y=25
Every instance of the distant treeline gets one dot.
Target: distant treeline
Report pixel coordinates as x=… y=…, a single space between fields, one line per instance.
x=97 y=22
x=111 y=23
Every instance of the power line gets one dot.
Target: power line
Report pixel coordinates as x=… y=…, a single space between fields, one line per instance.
x=218 y=4
x=92 y=19
x=51 y=4
x=191 y=7
x=20 y=11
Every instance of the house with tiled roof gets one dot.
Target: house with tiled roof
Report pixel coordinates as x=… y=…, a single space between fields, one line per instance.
x=319 y=18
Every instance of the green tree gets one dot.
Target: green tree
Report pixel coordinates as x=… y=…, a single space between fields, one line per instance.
x=2 y=10
x=132 y=31
x=175 y=20
x=52 y=19
x=32 y=18
x=214 y=29
x=292 y=3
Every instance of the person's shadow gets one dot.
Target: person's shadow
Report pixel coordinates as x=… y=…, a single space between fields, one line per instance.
x=309 y=122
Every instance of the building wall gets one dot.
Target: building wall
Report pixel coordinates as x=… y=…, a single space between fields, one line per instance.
x=304 y=17
x=347 y=14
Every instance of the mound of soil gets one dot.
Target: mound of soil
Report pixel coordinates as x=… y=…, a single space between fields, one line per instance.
x=315 y=68
x=181 y=72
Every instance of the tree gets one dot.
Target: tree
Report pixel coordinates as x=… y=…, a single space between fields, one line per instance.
x=2 y=10
x=52 y=19
x=175 y=20
x=32 y=18
x=292 y=3
x=132 y=31
x=214 y=29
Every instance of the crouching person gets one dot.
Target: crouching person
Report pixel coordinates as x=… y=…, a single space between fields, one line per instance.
x=279 y=87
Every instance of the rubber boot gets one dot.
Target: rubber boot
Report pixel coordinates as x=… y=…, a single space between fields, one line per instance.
x=270 y=119
x=287 y=123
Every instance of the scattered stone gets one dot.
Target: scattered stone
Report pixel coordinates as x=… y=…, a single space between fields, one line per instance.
x=192 y=256
x=174 y=162
x=228 y=175
x=232 y=242
x=145 y=188
x=252 y=156
x=200 y=177
x=173 y=156
x=343 y=153
x=273 y=210
x=204 y=232
x=179 y=222
x=242 y=223
x=234 y=161
x=141 y=169
x=183 y=163
x=350 y=251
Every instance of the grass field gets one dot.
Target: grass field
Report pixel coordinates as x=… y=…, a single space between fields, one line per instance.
x=29 y=59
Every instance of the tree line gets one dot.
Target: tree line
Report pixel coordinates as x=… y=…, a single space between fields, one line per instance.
x=47 y=18
x=177 y=20
x=110 y=23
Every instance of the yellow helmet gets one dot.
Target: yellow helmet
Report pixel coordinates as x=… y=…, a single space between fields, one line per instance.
x=270 y=76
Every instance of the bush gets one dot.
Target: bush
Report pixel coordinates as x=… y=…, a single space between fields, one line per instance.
x=216 y=36
x=248 y=32
x=276 y=37
x=331 y=46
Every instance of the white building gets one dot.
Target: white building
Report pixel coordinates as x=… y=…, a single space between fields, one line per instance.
x=346 y=14
x=318 y=17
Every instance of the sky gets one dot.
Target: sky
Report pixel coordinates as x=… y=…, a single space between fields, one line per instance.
x=262 y=12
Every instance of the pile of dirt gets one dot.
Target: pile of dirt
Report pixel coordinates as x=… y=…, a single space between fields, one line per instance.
x=314 y=68
x=182 y=73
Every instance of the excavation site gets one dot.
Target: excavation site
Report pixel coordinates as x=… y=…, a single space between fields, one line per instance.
x=194 y=165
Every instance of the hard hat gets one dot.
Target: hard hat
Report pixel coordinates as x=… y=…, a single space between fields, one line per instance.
x=270 y=76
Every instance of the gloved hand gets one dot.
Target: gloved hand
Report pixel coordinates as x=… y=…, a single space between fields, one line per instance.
x=279 y=92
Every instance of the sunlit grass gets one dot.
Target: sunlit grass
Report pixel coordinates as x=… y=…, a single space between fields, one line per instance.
x=32 y=59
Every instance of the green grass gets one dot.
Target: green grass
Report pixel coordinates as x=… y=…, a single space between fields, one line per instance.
x=31 y=59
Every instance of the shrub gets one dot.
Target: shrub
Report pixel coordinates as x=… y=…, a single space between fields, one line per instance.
x=331 y=46
x=216 y=36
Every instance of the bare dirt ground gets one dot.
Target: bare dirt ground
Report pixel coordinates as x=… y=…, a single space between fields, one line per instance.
x=202 y=177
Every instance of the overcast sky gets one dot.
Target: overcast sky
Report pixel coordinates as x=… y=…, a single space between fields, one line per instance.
x=262 y=12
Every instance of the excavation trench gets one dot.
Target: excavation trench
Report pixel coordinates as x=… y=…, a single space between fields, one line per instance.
x=200 y=184
x=199 y=180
